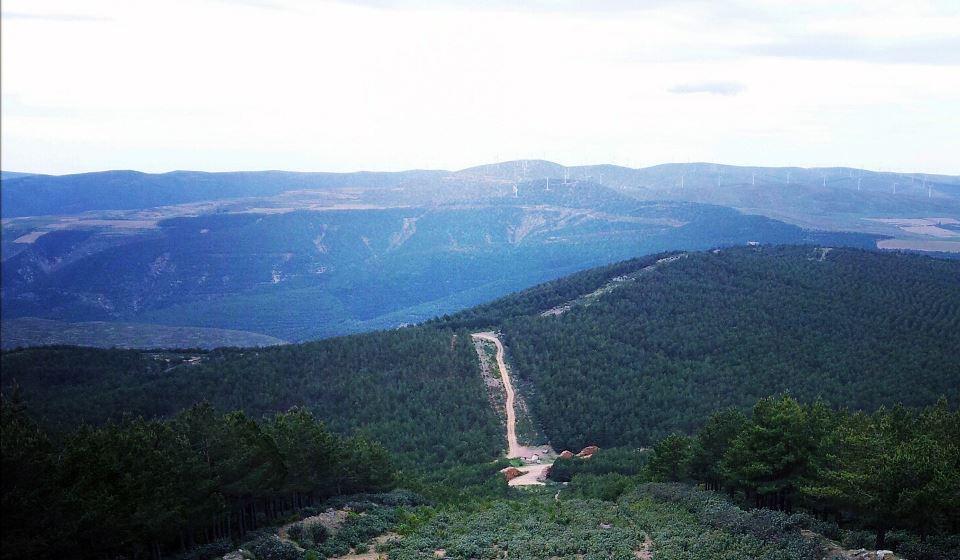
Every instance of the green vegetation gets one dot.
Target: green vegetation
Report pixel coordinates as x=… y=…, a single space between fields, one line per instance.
x=302 y=275
x=417 y=390
x=622 y=461
x=713 y=330
x=142 y=487
x=679 y=525
x=893 y=469
x=132 y=453
x=20 y=333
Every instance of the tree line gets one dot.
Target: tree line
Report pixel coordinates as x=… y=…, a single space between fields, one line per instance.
x=147 y=488
x=893 y=469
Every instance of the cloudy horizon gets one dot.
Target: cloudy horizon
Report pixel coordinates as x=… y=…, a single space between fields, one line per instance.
x=217 y=85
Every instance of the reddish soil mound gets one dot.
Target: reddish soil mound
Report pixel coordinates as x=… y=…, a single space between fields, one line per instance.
x=588 y=451
x=511 y=473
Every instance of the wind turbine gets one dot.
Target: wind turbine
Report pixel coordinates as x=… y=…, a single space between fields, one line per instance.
x=753 y=178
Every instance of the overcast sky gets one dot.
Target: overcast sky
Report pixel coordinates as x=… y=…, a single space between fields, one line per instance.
x=385 y=85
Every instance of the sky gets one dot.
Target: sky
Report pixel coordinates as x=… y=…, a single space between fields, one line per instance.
x=221 y=85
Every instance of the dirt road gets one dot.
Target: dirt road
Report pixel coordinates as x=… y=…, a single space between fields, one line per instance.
x=532 y=473
x=514 y=449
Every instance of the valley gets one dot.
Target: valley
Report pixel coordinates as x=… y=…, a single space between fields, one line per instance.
x=280 y=255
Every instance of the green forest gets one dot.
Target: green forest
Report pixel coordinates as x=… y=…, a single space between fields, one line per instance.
x=667 y=362
x=894 y=470
x=138 y=487
x=712 y=330
x=417 y=390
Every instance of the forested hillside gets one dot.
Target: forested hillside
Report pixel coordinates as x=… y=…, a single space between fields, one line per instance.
x=787 y=456
x=673 y=338
x=30 y=331
x=624 y=356
x=417 y=390
x=295 y=275
x=677 y=340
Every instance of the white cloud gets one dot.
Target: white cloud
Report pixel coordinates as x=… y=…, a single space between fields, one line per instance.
x=715 y=88
x=376 y=84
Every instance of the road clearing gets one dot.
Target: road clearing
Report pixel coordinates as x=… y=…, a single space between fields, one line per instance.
x=532 y=473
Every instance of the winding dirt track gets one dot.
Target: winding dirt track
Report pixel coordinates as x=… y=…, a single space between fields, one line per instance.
x=514 y=449
x=533 y=474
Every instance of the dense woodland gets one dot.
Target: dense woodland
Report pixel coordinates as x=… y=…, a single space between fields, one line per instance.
x=894 y=469
x=417 y=390
x=142 y=488
x=711 y=330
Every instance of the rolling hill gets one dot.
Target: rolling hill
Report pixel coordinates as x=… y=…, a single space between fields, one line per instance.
x=826 y=198
x=326 y=271
x=281 y=254
x=640 y=349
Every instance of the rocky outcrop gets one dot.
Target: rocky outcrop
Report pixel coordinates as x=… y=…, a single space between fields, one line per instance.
x=567 y=454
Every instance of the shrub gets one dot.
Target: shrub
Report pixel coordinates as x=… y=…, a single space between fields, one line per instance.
x=308 y=535
x=857 y=539
x=296 y=532
x=946 y=547
x=272 y=548
x=829 y=529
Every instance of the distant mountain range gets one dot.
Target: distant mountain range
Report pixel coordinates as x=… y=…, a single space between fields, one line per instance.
x=781 y=192
x=304 y=255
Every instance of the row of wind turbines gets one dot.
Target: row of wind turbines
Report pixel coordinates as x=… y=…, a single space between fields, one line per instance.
x=521 y=173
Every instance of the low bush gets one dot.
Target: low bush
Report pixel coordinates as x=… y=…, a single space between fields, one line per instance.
x=272 y=548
